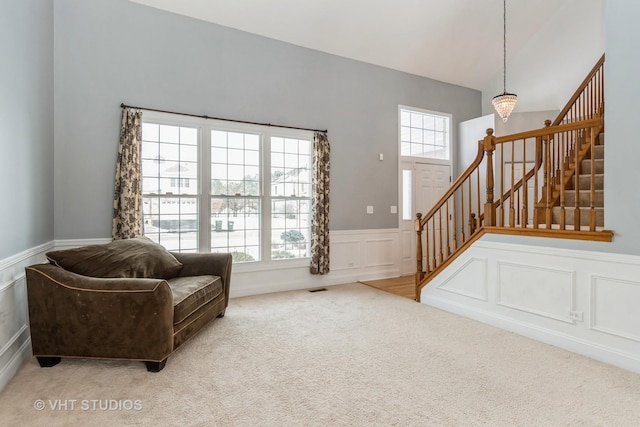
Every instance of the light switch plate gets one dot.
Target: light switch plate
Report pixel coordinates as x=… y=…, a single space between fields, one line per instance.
x=369 y=209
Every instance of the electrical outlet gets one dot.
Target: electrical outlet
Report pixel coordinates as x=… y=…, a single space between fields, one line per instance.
x=369 y=209
x=578 y=316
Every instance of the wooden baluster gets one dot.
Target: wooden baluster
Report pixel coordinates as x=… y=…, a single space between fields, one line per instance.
x=427 y=247
x=478 y=219
x=455 y=224
x=462 y=217
x=558 y=159
x=536 y=184
x=472 y=223
x=547 y=182
x=592 y=183
x=594 y=95
x=576 y=151
x=512 y=212
x=489 y=206
x=500 y=213
x=448 y=223
x=563 y=222
x=525 y=186
x=419 y=269
x=440 y=258
x=433 y=240
x=470 y=205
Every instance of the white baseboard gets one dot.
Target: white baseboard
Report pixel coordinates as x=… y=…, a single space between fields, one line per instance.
x=19 y=357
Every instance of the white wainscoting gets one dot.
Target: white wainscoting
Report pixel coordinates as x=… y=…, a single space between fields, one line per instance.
x=583 y=301
x=355 y=255
x=15 y=342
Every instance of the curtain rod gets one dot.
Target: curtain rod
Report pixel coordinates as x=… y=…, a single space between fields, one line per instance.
x=123 y=105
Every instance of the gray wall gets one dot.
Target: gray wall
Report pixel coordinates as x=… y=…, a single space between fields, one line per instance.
x=26 y=125
x=622 y=148
x=113 y=51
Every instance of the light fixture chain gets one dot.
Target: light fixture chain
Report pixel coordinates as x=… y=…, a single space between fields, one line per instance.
x=504 y=45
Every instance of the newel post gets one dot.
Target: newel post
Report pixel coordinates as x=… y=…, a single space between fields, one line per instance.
x=418 y=228
x=489 y=207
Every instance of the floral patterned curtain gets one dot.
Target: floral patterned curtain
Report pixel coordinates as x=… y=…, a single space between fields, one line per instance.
x=127 y=201
x=320 y=205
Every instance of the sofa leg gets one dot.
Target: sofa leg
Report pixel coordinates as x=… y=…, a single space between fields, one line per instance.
x=221 y=314
x=156 y=366
x=47 y=362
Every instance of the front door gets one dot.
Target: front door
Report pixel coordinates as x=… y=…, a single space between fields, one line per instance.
x=427 y=182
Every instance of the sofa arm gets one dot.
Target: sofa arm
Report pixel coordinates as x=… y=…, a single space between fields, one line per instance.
x=199 y=264
x=75 y=315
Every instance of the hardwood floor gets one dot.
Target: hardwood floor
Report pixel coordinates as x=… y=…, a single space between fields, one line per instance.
x=402 y=286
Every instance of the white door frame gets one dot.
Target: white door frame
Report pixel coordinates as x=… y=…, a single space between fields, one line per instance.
x=406 y=223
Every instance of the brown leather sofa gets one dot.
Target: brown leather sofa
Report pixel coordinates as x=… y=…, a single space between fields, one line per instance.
x=129 y=299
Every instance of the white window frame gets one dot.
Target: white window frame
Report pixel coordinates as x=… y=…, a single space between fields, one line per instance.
x=425 y=159
x=204 y=127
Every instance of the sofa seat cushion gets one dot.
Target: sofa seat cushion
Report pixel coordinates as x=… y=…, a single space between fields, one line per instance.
x=191 y=293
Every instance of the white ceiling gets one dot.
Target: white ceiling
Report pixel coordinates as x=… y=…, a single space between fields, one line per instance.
x=456 y=41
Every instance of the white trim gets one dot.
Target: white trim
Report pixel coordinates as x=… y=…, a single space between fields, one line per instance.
x=19 y=357
x=25 y=255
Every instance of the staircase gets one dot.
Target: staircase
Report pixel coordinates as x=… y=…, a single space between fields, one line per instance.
x=584 y=190
x=547 y=182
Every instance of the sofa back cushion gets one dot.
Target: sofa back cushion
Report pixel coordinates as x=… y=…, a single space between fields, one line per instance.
x=137 y=257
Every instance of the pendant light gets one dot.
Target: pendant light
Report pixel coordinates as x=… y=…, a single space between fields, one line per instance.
x=505 y=102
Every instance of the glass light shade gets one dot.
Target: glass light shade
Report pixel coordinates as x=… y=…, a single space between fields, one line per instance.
x=504 y=104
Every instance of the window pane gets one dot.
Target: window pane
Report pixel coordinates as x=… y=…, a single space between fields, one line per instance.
x=419 y=129
x=188 y=136
x=189 y=153
x=290 y=203
x=235 y=227
x=290 y=228
x=171 y=221
x=236 y=170
x=407 y=189
x=169 y=134
x=170 y=169
x=150 y=132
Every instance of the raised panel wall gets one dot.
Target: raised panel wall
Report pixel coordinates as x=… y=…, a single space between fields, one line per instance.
x=583 y=301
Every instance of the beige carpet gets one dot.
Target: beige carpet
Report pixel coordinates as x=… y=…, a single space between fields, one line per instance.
x=349 y=356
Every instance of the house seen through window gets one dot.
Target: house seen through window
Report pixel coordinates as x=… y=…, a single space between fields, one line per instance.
x=214 y=186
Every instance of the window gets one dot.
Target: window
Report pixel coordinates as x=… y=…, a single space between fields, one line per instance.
x=424 y=134
x=225 y=187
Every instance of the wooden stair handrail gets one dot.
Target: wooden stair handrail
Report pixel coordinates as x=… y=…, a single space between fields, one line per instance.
x=579 y=91
x=594 y=122
x=456 y=184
